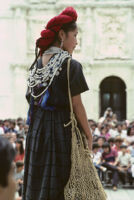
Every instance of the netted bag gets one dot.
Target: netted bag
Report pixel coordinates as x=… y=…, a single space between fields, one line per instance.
x=83 y=183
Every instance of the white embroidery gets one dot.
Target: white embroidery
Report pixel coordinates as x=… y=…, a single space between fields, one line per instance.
x=44 y=76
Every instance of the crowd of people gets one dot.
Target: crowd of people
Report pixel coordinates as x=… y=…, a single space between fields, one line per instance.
x=15 y=132
x=113 y=148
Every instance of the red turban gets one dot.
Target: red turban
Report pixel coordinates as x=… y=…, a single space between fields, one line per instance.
x=53 y=27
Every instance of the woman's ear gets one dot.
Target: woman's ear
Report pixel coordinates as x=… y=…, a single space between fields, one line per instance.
x=61 y=35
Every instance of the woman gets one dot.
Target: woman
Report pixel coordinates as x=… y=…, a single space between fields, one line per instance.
x=48 y=145
x=19 y=151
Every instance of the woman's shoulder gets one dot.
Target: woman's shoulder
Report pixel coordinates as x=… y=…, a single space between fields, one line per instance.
x=73 y=62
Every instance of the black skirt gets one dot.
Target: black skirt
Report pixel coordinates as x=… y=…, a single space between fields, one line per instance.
x=47 y=156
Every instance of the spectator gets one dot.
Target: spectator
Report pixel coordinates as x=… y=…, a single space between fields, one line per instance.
x=131 y=150
x=124 y=163
x=124 y=129
x=100 y=140
x=97 y=131
x=119 y=130
x=108 y=113
x=19 y=174
x=114 y=118
x=109 y=157
x=11 y=128
x=93 y=127
x=130 y=135
x=19 y=151
x=97 y=159
x=1 y=128
x=21 y=128
x=111 y=141
x=118 y=143
x=105 y=131
x=6 y=125
x=7 y=182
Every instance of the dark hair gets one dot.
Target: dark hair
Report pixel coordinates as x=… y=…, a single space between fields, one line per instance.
x=13 y=122
x=118 y=139
x=94 y=124
x=123 y=146
x=71 y=26
x=20 y=136
x=104 y=139
x=7 y=154
x=19 y=164
x=118 y=124
x=129 y=130
x=1 y=122
x=111 y=140
x=95 y=146
x=21 y=150
x=91 y=120
x=103 y=127
x=106 y=145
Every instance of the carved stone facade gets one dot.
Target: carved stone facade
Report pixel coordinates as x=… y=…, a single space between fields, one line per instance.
x=106 y=48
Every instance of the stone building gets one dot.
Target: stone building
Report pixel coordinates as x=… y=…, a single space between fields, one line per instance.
x=106 y=51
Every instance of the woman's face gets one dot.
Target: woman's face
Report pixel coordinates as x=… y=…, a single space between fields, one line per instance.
x=70 y=41
x=100 y=142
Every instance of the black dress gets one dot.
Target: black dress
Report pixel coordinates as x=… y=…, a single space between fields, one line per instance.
x=48 y=144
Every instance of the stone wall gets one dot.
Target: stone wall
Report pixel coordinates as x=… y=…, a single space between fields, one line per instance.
x=106 y=47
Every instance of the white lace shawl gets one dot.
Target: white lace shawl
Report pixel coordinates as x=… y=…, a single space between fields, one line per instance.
x=45 y=75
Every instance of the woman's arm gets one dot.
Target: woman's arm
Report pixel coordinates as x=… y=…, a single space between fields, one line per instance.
x=81 y=116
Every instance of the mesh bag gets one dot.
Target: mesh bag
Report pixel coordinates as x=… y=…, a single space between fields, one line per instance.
x=83 y=183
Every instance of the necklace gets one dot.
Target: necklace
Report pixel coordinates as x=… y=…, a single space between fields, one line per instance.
x=45 y=75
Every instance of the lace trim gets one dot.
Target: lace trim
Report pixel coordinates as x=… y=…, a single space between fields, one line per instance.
x=44 y=76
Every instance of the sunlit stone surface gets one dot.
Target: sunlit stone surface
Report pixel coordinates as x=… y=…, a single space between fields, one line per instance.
x=106 y=48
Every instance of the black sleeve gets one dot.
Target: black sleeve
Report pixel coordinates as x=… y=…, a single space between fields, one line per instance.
x=77 y=80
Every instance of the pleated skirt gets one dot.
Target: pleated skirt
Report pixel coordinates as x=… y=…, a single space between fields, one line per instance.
x=47 y=156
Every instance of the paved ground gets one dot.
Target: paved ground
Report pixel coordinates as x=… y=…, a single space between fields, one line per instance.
x=120 y=194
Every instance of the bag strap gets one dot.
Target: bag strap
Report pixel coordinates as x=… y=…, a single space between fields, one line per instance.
x=69 y=91
x=72 y=117
x=73 y=120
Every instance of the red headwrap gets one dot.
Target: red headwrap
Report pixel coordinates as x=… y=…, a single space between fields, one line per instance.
x=53 y=27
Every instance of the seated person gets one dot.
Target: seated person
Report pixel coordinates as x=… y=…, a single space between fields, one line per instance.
x=118 y=143
x=97 y=158
x=130 y=135
x=124 y=164
x=131 y=150
x=19 y=174
x=100 y=140
x=7 y=182
x=109 y=157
